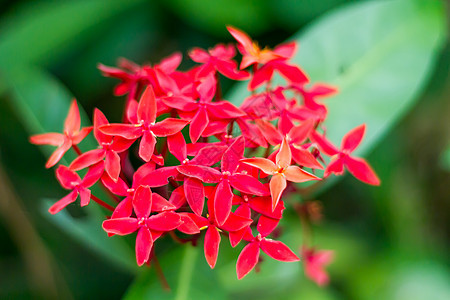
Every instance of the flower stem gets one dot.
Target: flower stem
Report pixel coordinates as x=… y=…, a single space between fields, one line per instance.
x=102 y=203
x=218 y=88
x=77 y=150
x=160 y=273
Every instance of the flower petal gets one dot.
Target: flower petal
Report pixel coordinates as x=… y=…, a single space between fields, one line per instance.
x=85 y=196
x=144 y=245
x=284 y=156
x=296 y=174
x=168 y=127
x=146 y=110
x=247 y=260
x=248 y=184
x=112 y=164
x=232 y=155
x=195 y=194
x=147 y=146
x=353 y=138
x=58 y=154
x=277 y=186
x=58 y=206
x=165 y=221
x=264 y=164
x=87 y=159
x=361 y=170
x=211 y=246
x=205 y=174
x=142 y=202
x=160 y=204
x=277 y=250
x=67 y=178
x=120 y=226
x=222 y=202
x=198 y=124
x=72 y=122
x=52 y=138
x=127 y=131
x=177 y=146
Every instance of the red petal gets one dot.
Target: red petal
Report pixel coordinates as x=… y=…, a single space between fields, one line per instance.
x=120 y=226
x=199 y=55
x=177 y=198
x=160 y=204
x=222 y=202
x=229 y=69
x=292 y=73
x=324 y=145
x=299 y=133
x=205 y=174
x=93 y=175
x=265 y=165
x=198 y=124
x=271 y=134
x=146 y=110
x=72 y=122
x=336 y=166
x=195 y=194
x=225 y=110
x=99 y=120
x=54 y=139
x=124 y=209
x=112 y=164
x=142 y=172
x=128 y=131
x=170 y=63
x=177 y=146
x=159 y=177
x=241 y=38
x=353 y=138
x=207 y=88
x=147 y=146
x=262 y=75
x=266 y=225
x=208 y=155
x=295 y=174
x=142 y=202
x=58 y=206
x=361 y=170
x=247 y=260
x=119 y=188
x=211 y=246
x=87 y=159
x=305 y=158
x=277 y=250
x=85 y=196
x=232 y=155
x=286 y=50
x=58 y=154
x=144 y=244
x=277 y=186
x=236 y=222
x=248 y=184
x=168 y=126
x=76 y=139
x=67 y=178
x=188 y=226
x=284 y=156
x=165 y=221
x=263 y=205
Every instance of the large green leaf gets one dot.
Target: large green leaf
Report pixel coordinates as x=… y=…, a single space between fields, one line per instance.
x=39 y=32
x=379 y=54
x=41 y=103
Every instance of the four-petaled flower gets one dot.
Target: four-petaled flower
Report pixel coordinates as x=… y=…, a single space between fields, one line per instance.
x=281 y=171
x=314 y=262
x=72 y=136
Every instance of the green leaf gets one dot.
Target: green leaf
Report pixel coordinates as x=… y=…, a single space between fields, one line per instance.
x=41 y=31
x=213 y=16
x=379 y=54
x=88 y=231
x=41 y=103
x=188 y=278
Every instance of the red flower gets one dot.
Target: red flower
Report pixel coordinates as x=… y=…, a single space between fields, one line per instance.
x=280 y=171
x=72 y=136
x=218 y=58
x=71 y=181
x=203 y=111
x=358 y=167
x=249 y=256
x=144 y=126
x=149 y=227
x=314 y=262
x=229 y=177
x=110 y=147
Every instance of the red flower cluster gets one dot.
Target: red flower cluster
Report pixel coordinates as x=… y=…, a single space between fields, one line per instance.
x=243 y=193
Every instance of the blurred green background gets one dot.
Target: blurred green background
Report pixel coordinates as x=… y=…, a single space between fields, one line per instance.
x=390 y=59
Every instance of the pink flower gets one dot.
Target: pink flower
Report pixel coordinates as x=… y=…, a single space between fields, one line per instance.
x=314 y=262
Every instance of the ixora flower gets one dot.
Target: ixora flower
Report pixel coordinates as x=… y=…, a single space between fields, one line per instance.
x=183 y=163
